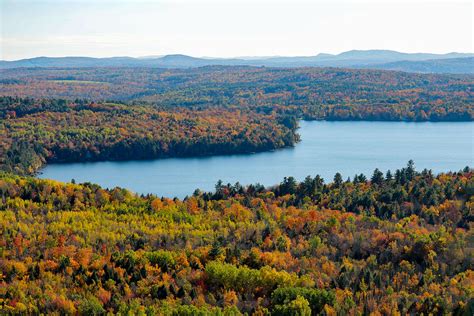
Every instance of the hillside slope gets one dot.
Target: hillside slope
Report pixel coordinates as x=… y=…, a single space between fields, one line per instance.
x=400 y=244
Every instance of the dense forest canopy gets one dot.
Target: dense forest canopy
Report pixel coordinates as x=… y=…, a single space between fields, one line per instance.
x=387 y=244
x=33 y=132
x=315 y=93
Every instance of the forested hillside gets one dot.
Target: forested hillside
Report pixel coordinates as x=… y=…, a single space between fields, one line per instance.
x=33 y=132
x=397 y=243
x=315 y=93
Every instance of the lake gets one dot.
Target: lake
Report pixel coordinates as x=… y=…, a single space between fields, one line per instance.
x=326 y=148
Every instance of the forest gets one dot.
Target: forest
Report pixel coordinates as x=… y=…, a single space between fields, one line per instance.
x=391 y=243
x=312 y=93
x=33 y=132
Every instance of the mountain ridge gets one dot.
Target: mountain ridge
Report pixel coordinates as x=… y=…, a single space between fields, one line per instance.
x=379 y=59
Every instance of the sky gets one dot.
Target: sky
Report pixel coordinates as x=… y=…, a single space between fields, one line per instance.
x=230 y=28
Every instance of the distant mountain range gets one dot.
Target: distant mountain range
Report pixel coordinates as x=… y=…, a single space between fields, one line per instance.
x=379 y=59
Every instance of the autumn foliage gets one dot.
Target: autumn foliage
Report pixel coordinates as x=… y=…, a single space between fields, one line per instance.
x=315 y=93
x=33 y=132
x=388 y=245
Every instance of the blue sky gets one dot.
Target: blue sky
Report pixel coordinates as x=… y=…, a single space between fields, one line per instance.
x=227 y=28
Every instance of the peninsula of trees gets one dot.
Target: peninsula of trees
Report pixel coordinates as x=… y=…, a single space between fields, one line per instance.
x=33 y=132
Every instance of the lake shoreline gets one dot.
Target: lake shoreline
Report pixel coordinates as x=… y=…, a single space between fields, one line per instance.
x=326 y=146
x=239 y=153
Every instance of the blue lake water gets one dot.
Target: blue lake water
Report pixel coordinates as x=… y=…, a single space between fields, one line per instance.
x=326 y=148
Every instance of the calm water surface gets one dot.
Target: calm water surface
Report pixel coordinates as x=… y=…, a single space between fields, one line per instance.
x=326 y=148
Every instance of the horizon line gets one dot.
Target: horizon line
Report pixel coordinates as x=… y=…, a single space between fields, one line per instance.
x=151 y=56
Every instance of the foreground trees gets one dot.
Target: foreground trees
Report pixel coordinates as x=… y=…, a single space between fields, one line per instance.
x=400 y=244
